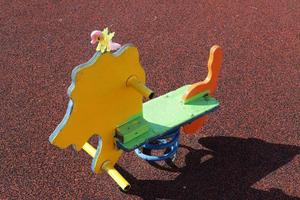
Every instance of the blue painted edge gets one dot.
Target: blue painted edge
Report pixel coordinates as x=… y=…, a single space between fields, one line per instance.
x=98 y=152
x=72 y=87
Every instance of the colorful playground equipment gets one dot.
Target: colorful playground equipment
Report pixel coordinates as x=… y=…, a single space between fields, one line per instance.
x=106 y=100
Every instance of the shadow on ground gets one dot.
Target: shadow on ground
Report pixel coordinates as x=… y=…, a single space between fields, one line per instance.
x=235 y=164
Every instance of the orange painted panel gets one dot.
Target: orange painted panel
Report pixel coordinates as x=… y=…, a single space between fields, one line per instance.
x=210 y=84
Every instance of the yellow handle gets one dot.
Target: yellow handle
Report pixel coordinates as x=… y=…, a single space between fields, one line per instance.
x=112 y=172
x=134 y=82
x=118 y=178
x=89 y=149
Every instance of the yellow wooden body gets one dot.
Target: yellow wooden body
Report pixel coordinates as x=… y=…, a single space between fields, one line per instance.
x=101 y=101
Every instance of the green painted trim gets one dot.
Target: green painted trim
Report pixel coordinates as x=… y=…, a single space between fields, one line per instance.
x=135 y=126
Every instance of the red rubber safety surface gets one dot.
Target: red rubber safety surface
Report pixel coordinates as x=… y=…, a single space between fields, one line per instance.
x=248 y=149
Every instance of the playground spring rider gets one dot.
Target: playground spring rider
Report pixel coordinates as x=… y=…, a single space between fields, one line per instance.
x=106 y=100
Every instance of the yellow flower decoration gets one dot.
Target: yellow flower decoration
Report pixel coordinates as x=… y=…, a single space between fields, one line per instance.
x=105 y=40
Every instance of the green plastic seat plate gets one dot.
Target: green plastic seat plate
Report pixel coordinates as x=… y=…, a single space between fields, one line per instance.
x=168 y=112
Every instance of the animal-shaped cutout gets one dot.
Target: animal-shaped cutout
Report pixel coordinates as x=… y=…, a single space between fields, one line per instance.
x=100 y=100
x=209 y=84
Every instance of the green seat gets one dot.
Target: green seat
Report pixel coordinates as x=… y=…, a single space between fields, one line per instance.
x=163 y=115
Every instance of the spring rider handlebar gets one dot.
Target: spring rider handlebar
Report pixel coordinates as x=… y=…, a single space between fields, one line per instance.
x=134 y=82
x=106 y=101
x=111 y=171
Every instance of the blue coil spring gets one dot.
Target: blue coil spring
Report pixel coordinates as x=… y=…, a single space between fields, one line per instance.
x=169 y=142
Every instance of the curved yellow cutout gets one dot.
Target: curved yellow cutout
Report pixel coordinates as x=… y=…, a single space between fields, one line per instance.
x=101 y=101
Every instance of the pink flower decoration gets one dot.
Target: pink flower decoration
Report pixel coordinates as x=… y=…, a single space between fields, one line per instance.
x=104 y=39
x=114 y=45
x=95 y=35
